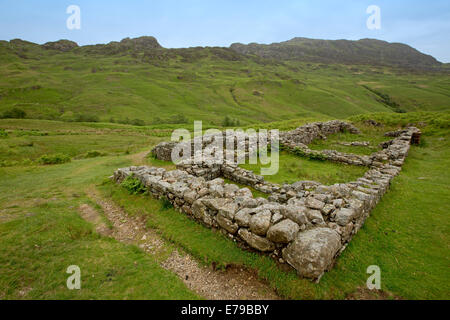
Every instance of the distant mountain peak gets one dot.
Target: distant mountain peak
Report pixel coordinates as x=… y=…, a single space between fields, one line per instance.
x=360 y=52
x=61 y=45
x=364 y=51
x=140 y=43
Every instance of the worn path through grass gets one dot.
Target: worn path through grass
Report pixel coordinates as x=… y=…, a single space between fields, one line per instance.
x=234 y=283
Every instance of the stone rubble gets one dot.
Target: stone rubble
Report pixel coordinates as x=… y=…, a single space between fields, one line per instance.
x=305 y=224
x=355 y=144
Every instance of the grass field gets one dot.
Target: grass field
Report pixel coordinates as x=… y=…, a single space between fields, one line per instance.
x=373 y=135
x=27 y=140
x=42 y=233
x=293 y=168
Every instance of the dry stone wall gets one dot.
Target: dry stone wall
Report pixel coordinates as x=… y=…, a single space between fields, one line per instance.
x=318 y=130
x=306 y=224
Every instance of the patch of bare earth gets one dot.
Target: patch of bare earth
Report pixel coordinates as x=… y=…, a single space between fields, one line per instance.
x=90 y=214
x=234 y=283
x=139 y=158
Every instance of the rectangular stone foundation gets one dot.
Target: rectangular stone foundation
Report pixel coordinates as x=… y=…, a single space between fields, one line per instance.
x=307 y=230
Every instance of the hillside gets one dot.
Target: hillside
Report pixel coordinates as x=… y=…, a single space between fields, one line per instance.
x=137 y=81
x=365 y=51
x=74 y=114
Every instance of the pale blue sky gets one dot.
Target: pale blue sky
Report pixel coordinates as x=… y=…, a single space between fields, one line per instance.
x=425 y=25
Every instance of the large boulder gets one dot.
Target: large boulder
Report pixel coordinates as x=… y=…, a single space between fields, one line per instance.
x=315 y=216
x=230 y=190
x=283 y=232
x=313 y=251
x=243 y=217
x=227 y=224
x=201 y=213
x=190 y=196
x=344 y=216
x=314 y=203
x=255 y=241
x=229 y=210
x=295 y=213
x=215 y=203
x=260 y=222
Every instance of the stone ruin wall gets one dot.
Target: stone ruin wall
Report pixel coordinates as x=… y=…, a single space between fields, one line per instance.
x=306 y=224
x=290 y=140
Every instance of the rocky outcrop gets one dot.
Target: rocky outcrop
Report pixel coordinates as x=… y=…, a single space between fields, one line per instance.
x=60 y=45
x=360 y=52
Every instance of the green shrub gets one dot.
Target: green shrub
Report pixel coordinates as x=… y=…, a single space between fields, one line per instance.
x=14 y=113
x=86 y=118
x=8 y=163
x=54 y=159
x=175 y=119
x=138 y=122
x=134 y=122
x=94 y=154
x=13 y=163
x=230 y=122
x=133 y=185
x=151 y=156
x=299 y=152
x=386 y=99
x=178 y=119
x=165 y=204
x=313 y=156
x=27 y=162
x=3 y=133
x=35 y=133
x=317 y=156
x=26 y=144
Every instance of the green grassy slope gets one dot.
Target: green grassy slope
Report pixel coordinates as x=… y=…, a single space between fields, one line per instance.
x=158 y=85
x=42 y=233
